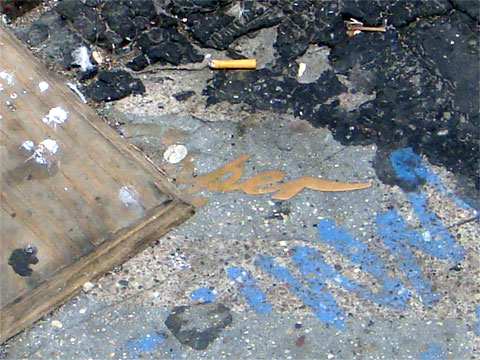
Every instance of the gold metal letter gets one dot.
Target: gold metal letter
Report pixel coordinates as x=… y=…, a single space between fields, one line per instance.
x=293 y=187
x=210 y=181
x=251 y=185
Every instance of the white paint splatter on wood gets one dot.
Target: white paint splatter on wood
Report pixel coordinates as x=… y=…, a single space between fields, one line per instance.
x=42 y=153
x=43 y=85
x=128 y=196
x=7 y=77
x=56 y=116
x=28 y=145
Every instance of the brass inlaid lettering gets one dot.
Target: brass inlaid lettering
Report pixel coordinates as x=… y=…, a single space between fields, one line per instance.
x=255 y=184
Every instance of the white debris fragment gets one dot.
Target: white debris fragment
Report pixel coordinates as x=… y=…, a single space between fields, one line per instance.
x=97 y=56
x=7 y=77
x=175 y=153
x=88 y=286
x=427 y=236
x=41 y=153
x=76 y=91
x=50 y=145
x=57 y=324
x=28 y=145
x=43 y=85
x=56 y=116
x=81 y=58
x=301 y=69
x=128 y=195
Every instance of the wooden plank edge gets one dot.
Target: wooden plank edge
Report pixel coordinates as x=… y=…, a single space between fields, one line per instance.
x=109 y=254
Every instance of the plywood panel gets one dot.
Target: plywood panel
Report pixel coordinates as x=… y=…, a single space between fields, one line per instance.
x=71 y=189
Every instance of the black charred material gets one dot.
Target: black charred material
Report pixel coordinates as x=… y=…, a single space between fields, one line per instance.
x=114 y=85
x=183 y=95
x=214 y=24
x=422 y=73
x=16 y=8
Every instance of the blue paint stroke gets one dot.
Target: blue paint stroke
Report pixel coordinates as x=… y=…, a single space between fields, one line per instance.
x=310 y=262
x=433 y=352
x=477 y=327
x=396 y=234
x=249 y=290
x=410 y=168
x=144 y=343
x=437 y=241
x=203 y=294
x=321 y=302
x=393 y=293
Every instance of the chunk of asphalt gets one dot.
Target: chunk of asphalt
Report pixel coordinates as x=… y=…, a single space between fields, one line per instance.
x=198 y=325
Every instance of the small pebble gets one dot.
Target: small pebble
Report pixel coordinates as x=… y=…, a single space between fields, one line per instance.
x=57 y=324
x=88 y=286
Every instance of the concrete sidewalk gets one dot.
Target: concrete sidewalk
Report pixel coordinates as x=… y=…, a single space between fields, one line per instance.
x=391 y=271
x=365 y=274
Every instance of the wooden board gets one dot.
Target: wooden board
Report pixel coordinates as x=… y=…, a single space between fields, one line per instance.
x=76 y=200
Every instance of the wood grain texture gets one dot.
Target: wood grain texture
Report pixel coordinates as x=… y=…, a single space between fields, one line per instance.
x=86 y=206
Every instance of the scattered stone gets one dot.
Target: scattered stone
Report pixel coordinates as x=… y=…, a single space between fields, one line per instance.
x=183 y=95
x=300 y=341
x=123 y=282
x=57 y=324
x=199 y=325
x=114 y=85
x=88 y=286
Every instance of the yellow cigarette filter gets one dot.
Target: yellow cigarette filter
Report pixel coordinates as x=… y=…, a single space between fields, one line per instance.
x=234 y=64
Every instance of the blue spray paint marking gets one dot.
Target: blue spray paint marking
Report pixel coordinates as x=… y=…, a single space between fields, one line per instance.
x=321 y=302
x=437 y=241
x=203 y=295
x=433 y=352
x=249 y=290
x=477 y=327
x=396 y=234
x=311 y=262
x=393 y=294
x=144 y=343
x=410 y=168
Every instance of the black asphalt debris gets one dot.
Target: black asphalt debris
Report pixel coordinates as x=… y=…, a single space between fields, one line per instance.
x=422 y=73
x=199 y=325
x=114 y=85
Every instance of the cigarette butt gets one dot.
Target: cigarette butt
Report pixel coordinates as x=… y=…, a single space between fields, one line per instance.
x=234 y=64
